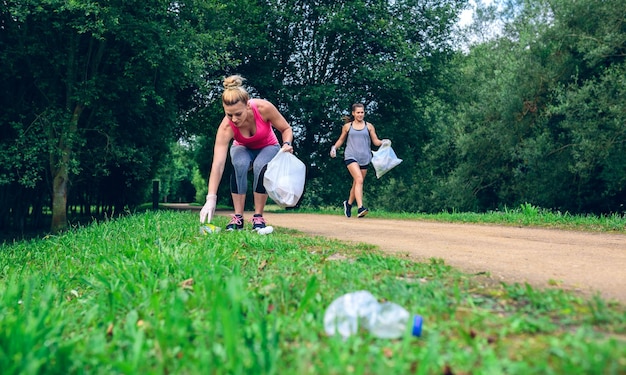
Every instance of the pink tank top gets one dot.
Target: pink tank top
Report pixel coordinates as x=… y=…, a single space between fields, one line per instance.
x=263 y=137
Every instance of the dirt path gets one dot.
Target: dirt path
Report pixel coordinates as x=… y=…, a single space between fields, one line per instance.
x=580 y=261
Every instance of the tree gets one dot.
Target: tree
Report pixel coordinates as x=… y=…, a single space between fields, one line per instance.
x=177 y=173
x=538 y=120
x=105 y=83
x=587 y=111
x=316 y=58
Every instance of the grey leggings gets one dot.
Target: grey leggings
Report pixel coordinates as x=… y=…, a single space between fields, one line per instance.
x=243 y=160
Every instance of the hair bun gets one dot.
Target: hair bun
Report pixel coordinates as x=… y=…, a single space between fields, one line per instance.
x=233 y=82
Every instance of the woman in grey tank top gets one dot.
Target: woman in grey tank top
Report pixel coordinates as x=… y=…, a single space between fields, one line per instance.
x=359 y=135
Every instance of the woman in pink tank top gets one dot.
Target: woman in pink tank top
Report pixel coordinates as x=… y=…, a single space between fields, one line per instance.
x=249 y=123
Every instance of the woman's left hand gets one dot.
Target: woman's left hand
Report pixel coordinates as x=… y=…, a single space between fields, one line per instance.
x=287 y=148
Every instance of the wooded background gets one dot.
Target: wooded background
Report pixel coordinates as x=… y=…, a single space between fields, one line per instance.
x=527 y=104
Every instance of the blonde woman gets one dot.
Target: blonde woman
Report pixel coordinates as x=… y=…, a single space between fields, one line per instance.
x=249 y=123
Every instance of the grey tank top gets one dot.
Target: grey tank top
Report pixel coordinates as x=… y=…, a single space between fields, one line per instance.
x=358 y=145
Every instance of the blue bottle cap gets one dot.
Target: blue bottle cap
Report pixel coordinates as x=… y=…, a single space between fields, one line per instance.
x=417 y=326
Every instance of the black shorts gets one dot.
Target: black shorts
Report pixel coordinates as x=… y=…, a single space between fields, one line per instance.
x=350 y=161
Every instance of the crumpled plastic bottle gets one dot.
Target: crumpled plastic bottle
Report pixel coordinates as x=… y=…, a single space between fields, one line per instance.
x=385 y=320
x=208 y=228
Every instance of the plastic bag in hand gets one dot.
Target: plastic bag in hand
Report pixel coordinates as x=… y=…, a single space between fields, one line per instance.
x=384 y=159
x=284 y=179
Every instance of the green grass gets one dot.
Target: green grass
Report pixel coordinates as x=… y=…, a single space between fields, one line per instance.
x=147 y=294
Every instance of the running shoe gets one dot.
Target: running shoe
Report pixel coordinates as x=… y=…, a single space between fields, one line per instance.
x=236 y=223
x=362 y=212
x=347 y=209
x=258 y=222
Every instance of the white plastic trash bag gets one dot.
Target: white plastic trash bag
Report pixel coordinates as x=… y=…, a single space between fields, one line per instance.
x=384 y=160
x=284 y=179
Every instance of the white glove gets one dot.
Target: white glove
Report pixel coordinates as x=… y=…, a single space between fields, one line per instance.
x=333 y=152
x=206 y=214
x=386 y=142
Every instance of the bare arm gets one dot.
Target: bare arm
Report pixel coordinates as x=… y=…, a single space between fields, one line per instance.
x=220 y=151
x=270 y=113
x=375 y=141
x=342 y=138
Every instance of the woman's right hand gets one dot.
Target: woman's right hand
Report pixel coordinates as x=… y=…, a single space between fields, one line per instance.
x=207 y=212
x=333 y=152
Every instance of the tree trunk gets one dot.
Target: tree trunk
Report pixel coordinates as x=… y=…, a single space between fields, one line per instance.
x=59 y=165
x=59 y=200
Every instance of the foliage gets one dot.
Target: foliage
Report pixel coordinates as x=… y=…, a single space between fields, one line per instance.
x=314 y=59
x=539 y=118
x=93 y=96
x=149 y=294
x=177 y=173
x=530 y=111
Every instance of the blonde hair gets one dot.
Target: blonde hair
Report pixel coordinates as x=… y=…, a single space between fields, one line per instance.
x=234 y=92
